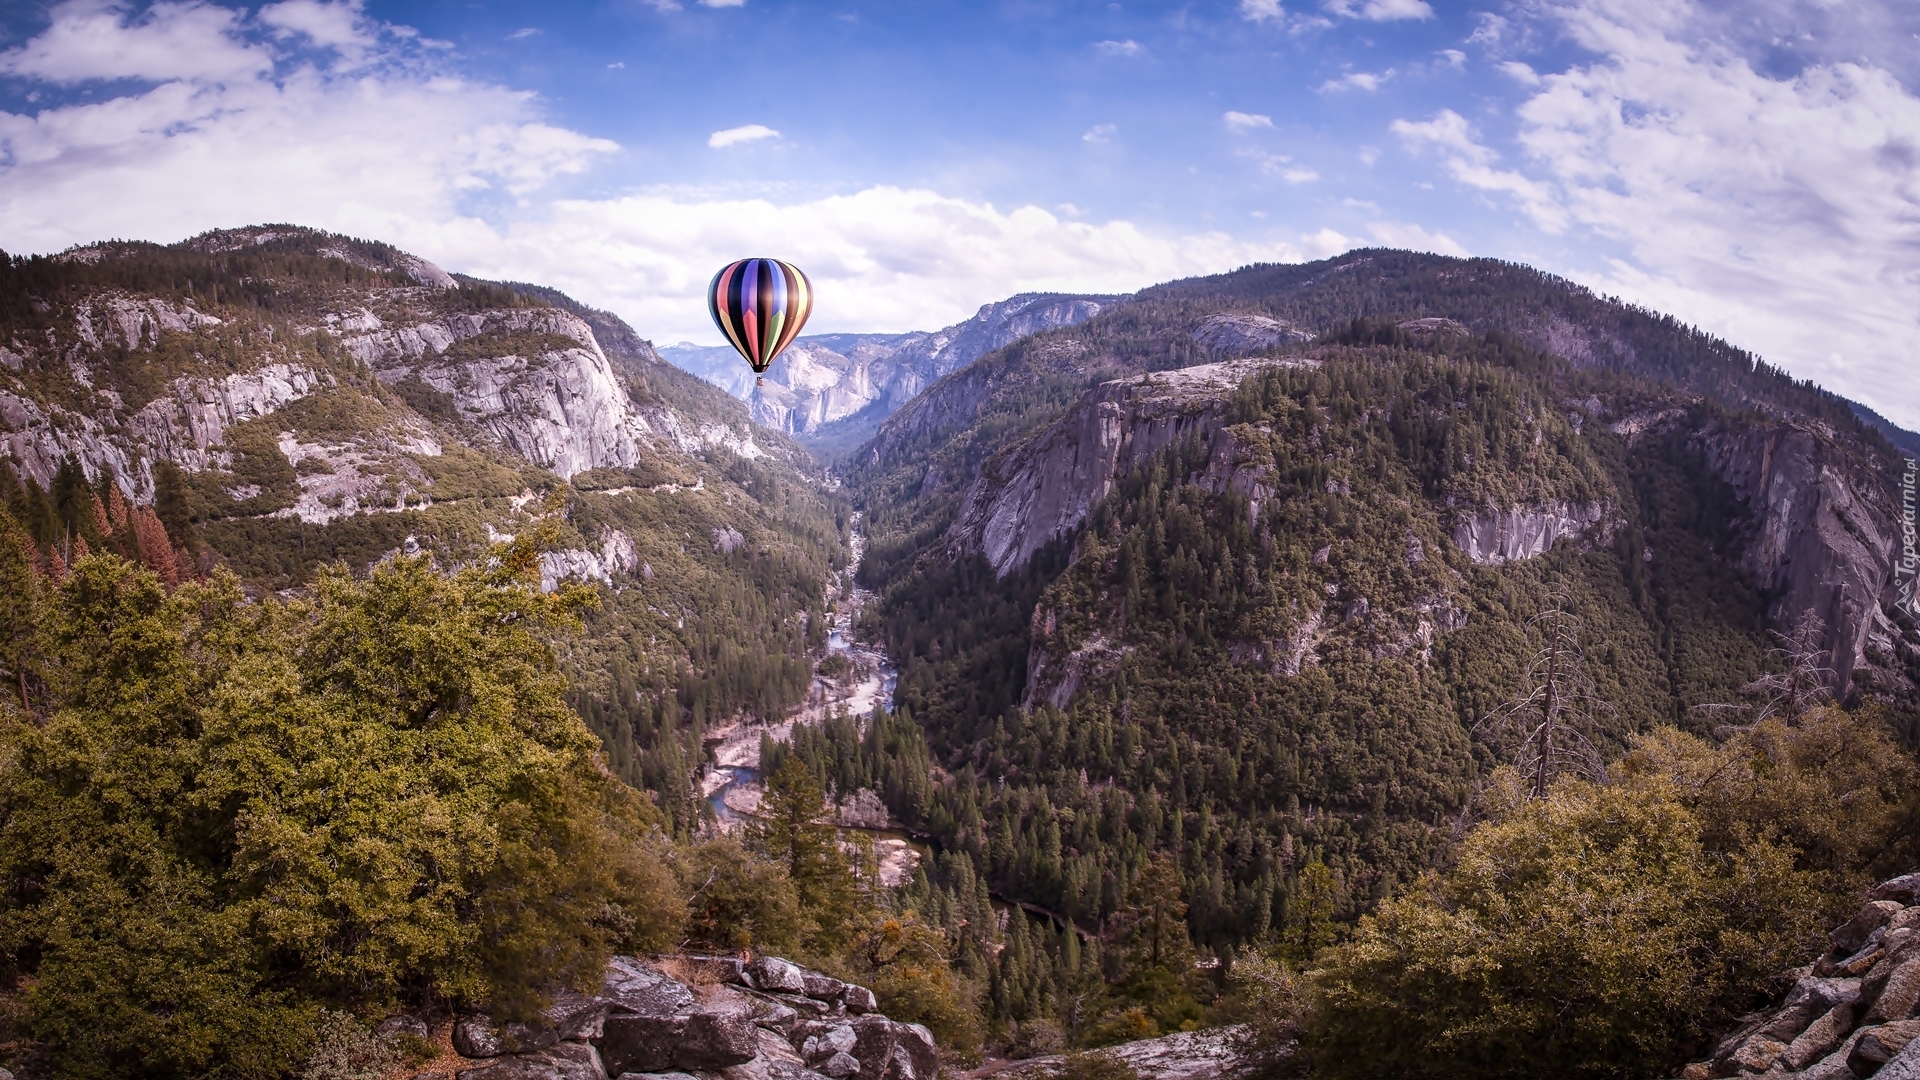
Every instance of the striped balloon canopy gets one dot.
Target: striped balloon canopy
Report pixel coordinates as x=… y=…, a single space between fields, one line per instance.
x=760 y=304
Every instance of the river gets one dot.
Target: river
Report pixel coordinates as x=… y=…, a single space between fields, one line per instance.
x=731 y=782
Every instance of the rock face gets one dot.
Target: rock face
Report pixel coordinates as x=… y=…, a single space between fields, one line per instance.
x=1492 y=535
x=1823 y=531
x=768 y=1020
x=1047 y=485
x=824 y=380
x=1851 y=1014
x=1237 y=335
x=1188 y=1055
x=149 y=379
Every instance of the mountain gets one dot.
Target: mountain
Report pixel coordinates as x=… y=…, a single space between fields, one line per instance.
x=281 y=398
x=831 y=390
x=1239 y=571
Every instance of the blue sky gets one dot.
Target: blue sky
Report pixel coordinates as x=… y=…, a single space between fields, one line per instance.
x=1753 y=167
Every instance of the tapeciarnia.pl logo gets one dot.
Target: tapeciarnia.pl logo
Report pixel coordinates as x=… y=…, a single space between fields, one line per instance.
x=1907 y=570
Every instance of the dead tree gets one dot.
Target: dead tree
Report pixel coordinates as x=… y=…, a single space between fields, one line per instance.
x=1548 y=729
x=1801 y=680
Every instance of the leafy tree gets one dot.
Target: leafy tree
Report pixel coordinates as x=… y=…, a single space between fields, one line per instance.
x=238 y=812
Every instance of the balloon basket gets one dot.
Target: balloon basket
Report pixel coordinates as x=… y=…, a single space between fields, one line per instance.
x=758 y=381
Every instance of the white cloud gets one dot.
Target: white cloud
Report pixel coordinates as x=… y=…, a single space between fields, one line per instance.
x=1380 y=10
x=1356 y=80
x=1262 y=10
x=744 y=134
x=95 y=39
x=1120 y=48
x=1777 y=211
x=723 y=3
x=1099 y=133
x=1520 y=72
x=523 y=32
x=400 y=151
x=1239 y=121
x=1452 y=58
x=339 y=25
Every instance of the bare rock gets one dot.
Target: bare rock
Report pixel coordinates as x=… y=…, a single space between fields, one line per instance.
x=1872 y=916
x=889 y=1050
x=1897 y=999
x=635 y=1043
x=1820 y=1038
x=825 y=1044
x=859 y=999
x=841 y=1066
x=774 y=974
x=1878 y=1045
x=1904 y=1066
x=822 y=987
x=561 y=1061
x=1903 y=890
x=396 y=1026
x=633 y=987
x=1758 y=1053
x=476 y=1037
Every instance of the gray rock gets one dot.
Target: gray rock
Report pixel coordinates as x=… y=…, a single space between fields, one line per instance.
x=1904 y=1066
x=841 y=1066
x=774 y=974
x=859 y=999
x=889 y=1050
x=821 y=987
x=1820 y=1038
x=394 y=1026
x=1901 y=992
x=658 y=1076
x=633 y=987
x=834 y=1040
x=1903 y=890
x=561 y=1061
x=1872 y=916
x=634 y=1043
x=1879 y=1045
x=5 y=1075
x=476 y=1037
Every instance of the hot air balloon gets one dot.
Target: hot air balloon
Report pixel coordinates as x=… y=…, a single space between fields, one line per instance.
x=760 y=304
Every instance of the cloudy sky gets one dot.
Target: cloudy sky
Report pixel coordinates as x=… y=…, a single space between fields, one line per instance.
x=1752 y=166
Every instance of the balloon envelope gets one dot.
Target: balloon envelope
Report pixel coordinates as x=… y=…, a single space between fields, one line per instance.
x=760 y=304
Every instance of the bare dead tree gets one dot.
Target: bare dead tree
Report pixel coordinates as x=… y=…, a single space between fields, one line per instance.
x=1548 y=728
x=1801 y=680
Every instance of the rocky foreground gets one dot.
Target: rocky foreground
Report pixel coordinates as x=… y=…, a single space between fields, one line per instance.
x=693 y=1018
x=1850 y=1014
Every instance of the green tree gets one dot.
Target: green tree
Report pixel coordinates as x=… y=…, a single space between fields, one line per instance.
x=240 y=812
x=20 y=604
x=792 y=831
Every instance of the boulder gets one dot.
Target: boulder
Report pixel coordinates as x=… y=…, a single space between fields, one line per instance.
x=1879 y=1045
x=834 y=1040
x=1820 y=1038
x=774 y=974
x=633 y=987
x=476 y=1037
x=561 y=1061
x=1908 y=919
x=395 y=1026
x=1904 y=1066
x=1902 y=890
x=1834 y=1065
x=1849 y=937
x=635 y=1043
x=859 y=999
x=1810 y=998
x=889 y=1050
x=821 y=987
x=658 y=1076
x=1758 y=1053
x=1899 y=995
x=841 y=1066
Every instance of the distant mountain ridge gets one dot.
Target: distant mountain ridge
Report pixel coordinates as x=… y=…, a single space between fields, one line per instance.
x=834 y=389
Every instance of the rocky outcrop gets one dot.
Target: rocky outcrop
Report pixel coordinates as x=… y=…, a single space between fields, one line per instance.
x=1186 y=1055
x=1237 y=334
x=1491 y=535
x=701 y=1017
x=1822 y=533
x=1046 y=486
x=1852 y=1014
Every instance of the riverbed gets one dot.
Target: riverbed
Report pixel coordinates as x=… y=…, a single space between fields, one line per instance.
x=731 y=782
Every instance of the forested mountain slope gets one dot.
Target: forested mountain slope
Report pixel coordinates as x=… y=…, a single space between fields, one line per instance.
x=280 y=398
x=1237 y=571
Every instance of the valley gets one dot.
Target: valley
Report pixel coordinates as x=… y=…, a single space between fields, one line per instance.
x=1171 y=627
